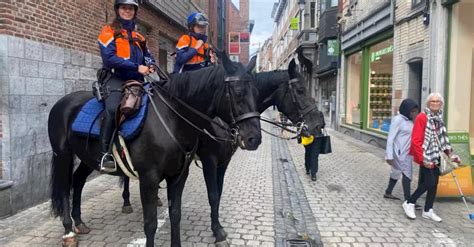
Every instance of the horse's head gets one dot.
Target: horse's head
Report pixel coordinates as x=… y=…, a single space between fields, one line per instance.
x=239 y=106
x=293 y=100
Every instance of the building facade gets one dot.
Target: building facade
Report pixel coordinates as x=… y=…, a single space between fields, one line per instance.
x=46 y=53
x=265 y=56
x=391 y=50
x=328 y=58
x=239 y=22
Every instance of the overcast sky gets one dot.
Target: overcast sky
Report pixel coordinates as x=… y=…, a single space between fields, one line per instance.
x=260 y=11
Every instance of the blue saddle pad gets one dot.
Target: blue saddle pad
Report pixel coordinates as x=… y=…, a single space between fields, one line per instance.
x=87 y=122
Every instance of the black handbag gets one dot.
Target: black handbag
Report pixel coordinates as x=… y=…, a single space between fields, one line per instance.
x=324 y=143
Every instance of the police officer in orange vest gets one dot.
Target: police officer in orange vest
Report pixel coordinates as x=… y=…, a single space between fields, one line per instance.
x=192 y=51
x=125 y=54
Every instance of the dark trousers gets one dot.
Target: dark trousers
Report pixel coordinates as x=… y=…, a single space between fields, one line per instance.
x=112 y=101
x=405 y=184
x=311 y=156
x=429 y=184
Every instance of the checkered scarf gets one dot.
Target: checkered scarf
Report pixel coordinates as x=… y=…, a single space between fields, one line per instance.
x=436 y=137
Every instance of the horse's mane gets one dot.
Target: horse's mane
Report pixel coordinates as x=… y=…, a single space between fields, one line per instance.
x=266 y=80
x=189 y=84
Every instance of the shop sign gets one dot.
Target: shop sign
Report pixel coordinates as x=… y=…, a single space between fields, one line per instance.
x=378 y=54
x=244 y=37
x=294 y=23
x=234 y=43
x=447 y=186
x=333 y=47
x=460 y=144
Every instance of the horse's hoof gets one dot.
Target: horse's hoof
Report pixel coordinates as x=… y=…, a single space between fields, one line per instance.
x=222 y=244
x=70 y=240
x=220 y=235
x=127 y=209
x=82 y=229
x=159 y=203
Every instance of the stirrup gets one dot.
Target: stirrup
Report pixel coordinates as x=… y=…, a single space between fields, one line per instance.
x=106 y=169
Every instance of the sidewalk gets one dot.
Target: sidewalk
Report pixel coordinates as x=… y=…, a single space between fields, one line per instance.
x=347 y=202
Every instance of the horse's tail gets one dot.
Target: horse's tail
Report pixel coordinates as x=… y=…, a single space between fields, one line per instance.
x=62 y=165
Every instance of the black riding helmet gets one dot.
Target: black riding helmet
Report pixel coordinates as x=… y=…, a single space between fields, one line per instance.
x=128 y=2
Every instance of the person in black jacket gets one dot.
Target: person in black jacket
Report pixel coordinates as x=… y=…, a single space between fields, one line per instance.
x=311 y=154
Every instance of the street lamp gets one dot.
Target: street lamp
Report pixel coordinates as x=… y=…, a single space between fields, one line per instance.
x=301 y=4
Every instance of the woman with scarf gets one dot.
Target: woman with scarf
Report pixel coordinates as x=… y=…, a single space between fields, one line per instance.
x=192 y=51
x=125 y=55
x=398 y=148
x=429 y=139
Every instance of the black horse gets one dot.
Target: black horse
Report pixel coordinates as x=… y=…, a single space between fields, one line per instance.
x=162 y=150
x=284 y=89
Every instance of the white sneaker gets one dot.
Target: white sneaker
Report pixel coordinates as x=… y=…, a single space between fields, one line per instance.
x=431 y=215
x=409 y=210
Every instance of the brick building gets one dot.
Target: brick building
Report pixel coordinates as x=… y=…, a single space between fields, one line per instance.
x=238 y=21
x=48 y=50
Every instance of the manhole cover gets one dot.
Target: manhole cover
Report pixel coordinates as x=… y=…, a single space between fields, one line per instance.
x=297 y=243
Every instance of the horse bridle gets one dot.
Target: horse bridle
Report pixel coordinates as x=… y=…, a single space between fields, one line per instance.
x=236 y=119
x=301 y=112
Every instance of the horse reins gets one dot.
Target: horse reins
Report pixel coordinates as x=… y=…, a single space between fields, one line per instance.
x=301 y=113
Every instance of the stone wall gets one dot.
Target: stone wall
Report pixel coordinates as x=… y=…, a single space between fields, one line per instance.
x=33 y=76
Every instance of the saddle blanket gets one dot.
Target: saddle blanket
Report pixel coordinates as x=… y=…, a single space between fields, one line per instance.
x=88 y=120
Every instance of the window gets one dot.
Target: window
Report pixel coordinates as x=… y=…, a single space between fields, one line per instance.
x=353 y=88
x=313 y=14
x=326 y=4
x=416 y=3
x=380 y=86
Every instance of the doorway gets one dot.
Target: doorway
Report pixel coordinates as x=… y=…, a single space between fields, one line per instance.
x=415 y=80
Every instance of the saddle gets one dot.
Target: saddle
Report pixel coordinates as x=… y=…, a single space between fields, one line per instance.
x=130 y=117
x=132 y=92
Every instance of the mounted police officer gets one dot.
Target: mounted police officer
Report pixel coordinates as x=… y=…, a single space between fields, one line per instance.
x=125 y=57
x=192 y=51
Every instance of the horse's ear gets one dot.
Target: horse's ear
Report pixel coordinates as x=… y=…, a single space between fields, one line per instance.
x=226 y=62
x=251 y=65
x=292 y=68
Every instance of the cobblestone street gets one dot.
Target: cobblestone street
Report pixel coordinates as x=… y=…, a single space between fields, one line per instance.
x=344 y=207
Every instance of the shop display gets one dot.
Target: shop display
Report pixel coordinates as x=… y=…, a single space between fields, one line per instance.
x=380 y=101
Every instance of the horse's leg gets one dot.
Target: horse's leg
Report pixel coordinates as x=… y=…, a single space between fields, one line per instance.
x=149 y=181
x=61 y=180
x=209 y=168
x=127 y=207
x=220 y=186
x=79 y=180
x=175 y=192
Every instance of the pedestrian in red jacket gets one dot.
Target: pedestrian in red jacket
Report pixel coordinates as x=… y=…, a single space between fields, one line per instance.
x=429 y=138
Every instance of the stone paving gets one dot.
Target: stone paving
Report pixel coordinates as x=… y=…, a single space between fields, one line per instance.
x=347 y=202
x=246 y=211
x=343 y=208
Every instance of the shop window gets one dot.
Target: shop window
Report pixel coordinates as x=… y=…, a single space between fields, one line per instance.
x=353 y=83
x=380 y=86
